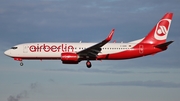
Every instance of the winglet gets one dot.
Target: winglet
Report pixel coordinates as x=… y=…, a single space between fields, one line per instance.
x=110 y=35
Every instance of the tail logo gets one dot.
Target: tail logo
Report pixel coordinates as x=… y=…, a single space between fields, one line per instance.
x=161 y=30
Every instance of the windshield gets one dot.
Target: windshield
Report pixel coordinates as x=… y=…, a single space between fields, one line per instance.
x=13 y=47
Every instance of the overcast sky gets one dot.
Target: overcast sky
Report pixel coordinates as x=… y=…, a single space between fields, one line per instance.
x=152 y=78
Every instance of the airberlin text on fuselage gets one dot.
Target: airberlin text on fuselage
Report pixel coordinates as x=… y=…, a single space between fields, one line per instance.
x=51 y=48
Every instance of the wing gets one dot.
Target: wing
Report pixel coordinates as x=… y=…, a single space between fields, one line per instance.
x=91 y=52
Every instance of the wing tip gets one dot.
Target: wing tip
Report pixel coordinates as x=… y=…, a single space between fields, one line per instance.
x=110 y=35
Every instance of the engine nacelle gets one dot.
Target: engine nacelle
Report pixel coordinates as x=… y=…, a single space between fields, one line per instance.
x=70 y=58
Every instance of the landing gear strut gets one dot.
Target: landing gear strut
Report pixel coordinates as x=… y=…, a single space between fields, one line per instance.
x=88 y=64
x=19 y=59
x=21 y=63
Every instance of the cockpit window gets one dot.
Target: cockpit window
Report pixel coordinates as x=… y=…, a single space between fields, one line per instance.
x=13 y=47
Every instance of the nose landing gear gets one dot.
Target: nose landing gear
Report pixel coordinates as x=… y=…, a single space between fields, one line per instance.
x=21 y=63
x=19 y=59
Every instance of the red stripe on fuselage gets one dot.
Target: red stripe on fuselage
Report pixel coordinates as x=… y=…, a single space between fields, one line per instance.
x=147 y=49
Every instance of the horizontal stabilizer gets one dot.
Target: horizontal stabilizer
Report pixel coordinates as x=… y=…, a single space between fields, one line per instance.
x=164 y=45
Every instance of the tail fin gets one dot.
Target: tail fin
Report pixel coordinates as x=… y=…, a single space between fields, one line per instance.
x=160 y=31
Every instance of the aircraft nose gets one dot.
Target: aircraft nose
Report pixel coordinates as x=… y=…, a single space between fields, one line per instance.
x=7 y=52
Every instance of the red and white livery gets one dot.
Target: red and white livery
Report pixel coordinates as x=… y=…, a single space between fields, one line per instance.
x=73 y=53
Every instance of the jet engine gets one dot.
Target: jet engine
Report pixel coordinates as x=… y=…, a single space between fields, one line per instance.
x=69 y=58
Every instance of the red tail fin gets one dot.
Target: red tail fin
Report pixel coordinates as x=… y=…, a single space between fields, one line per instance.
x=160 y=31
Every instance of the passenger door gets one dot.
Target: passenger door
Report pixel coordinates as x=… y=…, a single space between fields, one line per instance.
x=25 y=49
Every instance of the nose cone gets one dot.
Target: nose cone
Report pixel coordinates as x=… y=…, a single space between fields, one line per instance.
x=7 y=52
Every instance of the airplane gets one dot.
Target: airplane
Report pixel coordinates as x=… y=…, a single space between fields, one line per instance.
x=73 y=53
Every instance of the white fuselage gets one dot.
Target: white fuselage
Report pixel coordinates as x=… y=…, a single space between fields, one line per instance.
x=54 y=50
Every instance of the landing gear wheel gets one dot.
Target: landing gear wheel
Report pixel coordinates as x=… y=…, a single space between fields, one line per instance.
x=21 y=63
x=88 y=64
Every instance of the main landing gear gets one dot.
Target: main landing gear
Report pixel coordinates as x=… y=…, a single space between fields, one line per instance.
x=88 y=64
